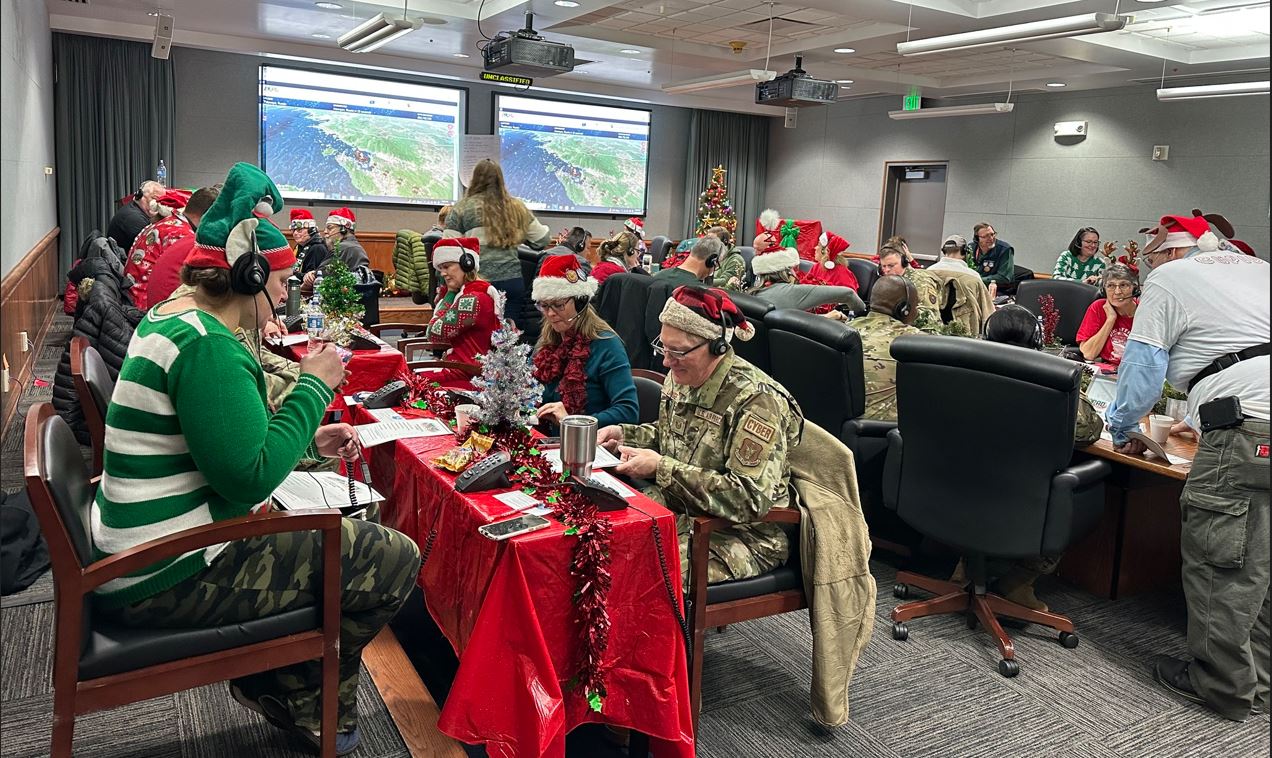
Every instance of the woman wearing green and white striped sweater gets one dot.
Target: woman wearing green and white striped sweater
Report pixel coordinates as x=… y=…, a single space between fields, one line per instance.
x=190 y=441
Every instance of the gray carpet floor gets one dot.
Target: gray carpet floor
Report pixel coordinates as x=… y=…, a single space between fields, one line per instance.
x=936 y=694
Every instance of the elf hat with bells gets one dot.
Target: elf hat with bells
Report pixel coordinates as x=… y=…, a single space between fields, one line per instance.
x=238 y=223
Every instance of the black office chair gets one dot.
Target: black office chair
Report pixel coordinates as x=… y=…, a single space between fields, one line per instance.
x=648 y=393
x=867 y=273
x=755 y=350
x=1035 y=503
x=530 y=321
x=805 y=265
x=748 y=254
x=621 y=302
x=657 y=248
x=1071 y=298
x=369 y=294
x=94 y=388
x=819 y=362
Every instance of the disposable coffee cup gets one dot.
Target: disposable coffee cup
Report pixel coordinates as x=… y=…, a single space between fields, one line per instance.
x=464 y=415
x=1159 y=428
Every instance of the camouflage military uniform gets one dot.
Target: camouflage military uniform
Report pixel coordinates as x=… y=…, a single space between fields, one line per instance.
x=1088 y=425
x=877 y=332
x=265 y=576
x=733 y=265
x=724 y=448
x=929 y=288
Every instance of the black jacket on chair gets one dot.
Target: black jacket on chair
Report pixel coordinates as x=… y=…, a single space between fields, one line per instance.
x=107 y=319
x=621 y=302
x=755 y=350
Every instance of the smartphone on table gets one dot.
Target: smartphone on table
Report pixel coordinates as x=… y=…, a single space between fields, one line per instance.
x=502 y=530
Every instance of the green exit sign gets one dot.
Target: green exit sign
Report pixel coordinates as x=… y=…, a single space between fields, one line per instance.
x=911 y=103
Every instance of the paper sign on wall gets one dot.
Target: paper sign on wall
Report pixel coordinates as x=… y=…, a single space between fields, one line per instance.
x=475 y=148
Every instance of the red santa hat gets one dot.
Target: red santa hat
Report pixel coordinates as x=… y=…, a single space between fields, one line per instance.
x=175 y=198
x=707 y=312
x=769 y=220
x=449 y=249
x=302 y=218
x=636 y=226
x=776 y=260
x=834 y=244
x=342 y=217
x=562 y=277
x=1183 y=231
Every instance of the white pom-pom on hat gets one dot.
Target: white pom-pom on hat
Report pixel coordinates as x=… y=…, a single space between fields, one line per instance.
x=769 y=219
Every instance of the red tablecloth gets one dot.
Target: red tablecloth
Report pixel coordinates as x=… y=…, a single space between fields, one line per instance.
x=506 y=608
x=369 y=370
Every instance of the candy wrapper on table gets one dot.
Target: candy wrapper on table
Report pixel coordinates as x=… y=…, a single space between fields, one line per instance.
x=801 y=235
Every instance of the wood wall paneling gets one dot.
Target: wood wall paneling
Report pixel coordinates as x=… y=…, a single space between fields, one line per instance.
x=28 y=295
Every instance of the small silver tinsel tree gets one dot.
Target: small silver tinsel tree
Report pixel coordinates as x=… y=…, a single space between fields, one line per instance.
x=508 y=392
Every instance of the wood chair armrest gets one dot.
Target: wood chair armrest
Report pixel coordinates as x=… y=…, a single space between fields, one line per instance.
x=407 y=345
x=708 y=524
x=465 y=368
x=389 y=326
x=781 y=516
x=252 y=525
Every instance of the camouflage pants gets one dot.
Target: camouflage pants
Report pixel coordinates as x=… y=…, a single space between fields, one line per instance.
x=268 y=575
x=737 y=552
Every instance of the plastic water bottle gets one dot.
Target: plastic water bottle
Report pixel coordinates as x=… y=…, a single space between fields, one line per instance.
x=315 y=319
x=161 y=173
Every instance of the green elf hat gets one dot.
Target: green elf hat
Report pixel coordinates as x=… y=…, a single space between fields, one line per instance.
x=238 y=223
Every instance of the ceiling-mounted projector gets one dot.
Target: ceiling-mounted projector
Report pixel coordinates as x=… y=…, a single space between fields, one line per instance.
x=796 y=89
x=525 y=53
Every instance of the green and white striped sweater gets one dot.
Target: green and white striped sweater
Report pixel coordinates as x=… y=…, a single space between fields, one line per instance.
x=190 y=441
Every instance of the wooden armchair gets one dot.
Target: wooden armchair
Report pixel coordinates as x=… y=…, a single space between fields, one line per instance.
x=778 y=591
x=98 y=664
x=467 y=369
x=413 y=346
x=93 y=387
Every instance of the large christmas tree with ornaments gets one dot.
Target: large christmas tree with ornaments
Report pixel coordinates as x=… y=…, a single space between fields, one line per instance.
x=714 y=208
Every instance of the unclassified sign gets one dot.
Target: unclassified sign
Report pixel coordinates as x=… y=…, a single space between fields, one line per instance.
x=520 y=81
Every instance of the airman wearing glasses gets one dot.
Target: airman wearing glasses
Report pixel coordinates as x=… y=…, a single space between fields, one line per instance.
x=720 y=444
x=992 y=258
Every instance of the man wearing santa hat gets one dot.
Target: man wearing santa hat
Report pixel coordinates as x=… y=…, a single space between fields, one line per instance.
x=1203 y=324
x=311 y=249
x=165 y=275
x=344 y=245
x=721 y=441
x=150 y=243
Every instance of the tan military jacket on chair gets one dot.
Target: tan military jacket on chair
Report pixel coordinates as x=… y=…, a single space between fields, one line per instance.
x=972 y=304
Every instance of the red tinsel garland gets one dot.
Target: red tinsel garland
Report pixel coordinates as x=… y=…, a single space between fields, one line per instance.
x=1050 y=318
x=566 y=364
x=590 y=565
x=675 y=259
x=426 y=394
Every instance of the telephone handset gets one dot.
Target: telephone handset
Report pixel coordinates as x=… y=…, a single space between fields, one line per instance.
x=293 y=323
x=388 y=396
x=362 y=340
x=488 y=473
x=604 y=497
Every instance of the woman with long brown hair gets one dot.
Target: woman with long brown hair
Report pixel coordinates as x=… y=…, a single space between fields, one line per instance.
x=619 y=254
x=579 y=359
x=500 y=222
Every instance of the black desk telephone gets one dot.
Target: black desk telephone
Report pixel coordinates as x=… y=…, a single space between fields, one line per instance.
x=294 y=323
x=362 y=340
x=388 y=396
x=604 y=497
x=488 y=473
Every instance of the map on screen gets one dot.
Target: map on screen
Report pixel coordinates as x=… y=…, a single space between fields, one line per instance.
x=349 y=138
x=572 y=157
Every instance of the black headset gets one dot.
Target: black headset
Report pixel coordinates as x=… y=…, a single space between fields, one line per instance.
x=467 y=261
x=1035 y=338
x=901 y=311
x=1135 y=290
x=718 y=345
x=249 y=271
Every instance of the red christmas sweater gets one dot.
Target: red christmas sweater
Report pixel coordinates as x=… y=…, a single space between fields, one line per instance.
x=148 y=248
x=466 y=319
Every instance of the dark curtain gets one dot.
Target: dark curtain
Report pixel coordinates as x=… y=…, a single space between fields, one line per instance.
x=739 y=143
x=113 y=107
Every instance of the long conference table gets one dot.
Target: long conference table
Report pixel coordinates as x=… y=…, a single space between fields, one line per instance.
x=507 y=610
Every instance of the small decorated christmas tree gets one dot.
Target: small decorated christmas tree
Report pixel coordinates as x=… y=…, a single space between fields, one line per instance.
x=714 y=208
x=341 y=302
x=508 y=392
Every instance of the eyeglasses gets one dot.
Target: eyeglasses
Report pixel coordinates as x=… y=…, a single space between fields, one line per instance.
x=556 y=306
x=676 y=355
x=1117 y=286
x=987 y=236
x=1091 y=242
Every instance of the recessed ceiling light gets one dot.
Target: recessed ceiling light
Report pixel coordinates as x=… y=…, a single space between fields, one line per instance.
x=431 y=20
x=630 y=51
x=566 y=3
x=329 y=6
x=153 y=14
x=844 y=86
x=845 y=50
x=1056 y=85
x=459 y=55
x=843 y=81
x=320 y=35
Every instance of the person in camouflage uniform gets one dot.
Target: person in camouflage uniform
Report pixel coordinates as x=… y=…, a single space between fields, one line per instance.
x=893 y=308
x=720 y=444
x=731 y=271
x=894 y=261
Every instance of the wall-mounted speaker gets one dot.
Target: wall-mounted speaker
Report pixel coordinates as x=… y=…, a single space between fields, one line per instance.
x=162 y=46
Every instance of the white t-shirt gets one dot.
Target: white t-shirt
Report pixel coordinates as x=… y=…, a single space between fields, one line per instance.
x=1205 y=306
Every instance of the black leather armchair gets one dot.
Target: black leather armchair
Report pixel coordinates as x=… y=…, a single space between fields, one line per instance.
x=621 y=301
x=867 y=273
x=755 y=350
x=657 y=248
x=819 y=362
x=1072 y=300
x=1026 y=502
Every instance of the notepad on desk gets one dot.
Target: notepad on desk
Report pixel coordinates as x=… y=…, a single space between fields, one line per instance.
x=379 y=432
x=1156 y=450
x=318 y=489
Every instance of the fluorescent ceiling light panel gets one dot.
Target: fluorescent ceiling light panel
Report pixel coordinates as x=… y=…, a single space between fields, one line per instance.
x=1070 y=26
x=749 y=76
x=980 y=109
x=1212 y=90
x=376 y=32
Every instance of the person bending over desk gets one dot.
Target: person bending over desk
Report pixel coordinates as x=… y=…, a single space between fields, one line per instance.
x=580 y=361
x=190 y=441
x=720 y=444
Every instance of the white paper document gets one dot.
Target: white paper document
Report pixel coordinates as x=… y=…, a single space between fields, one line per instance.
x=317 y=489
x=1153 y=448
x=604 y=458
x=517 y=500
x=613 y=483
x=385 y=414
x=290 y=339
x=386 y=431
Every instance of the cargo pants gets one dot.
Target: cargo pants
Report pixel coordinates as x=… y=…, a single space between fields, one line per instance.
x=268 y=575
x=1224 y=543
